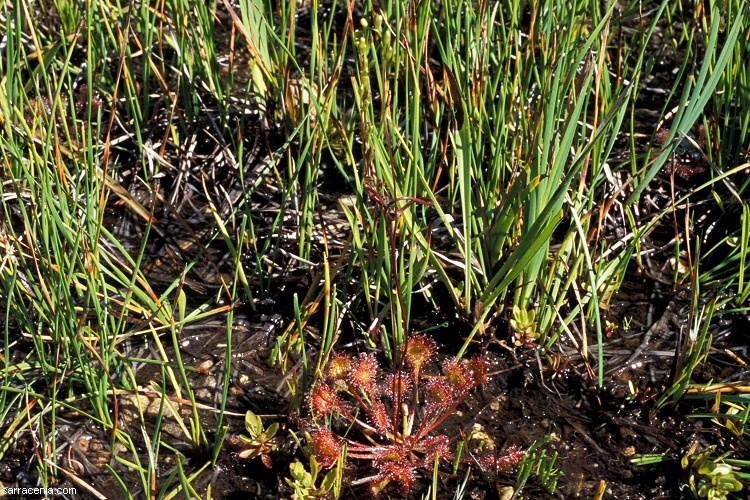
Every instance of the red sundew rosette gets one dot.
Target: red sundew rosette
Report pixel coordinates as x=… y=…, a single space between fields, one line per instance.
x=512 y=456
x=465 y=375
x=363 y=376
x=339 y=367
x=477 y=367
x=379 y=417
x=458 y=376
x=398 y=385
x=490 y=463
x=420 y=350
x=393 y=464
x=323 y=400
x=434 y=448
x=326 y=447
x=439 y=397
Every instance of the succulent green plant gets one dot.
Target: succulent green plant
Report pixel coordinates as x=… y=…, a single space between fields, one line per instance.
x=258 y=442
x=709 y=477
x=524 y=324
x=305 y=483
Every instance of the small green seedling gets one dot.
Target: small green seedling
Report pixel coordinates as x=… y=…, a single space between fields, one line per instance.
x=709 y=477
x=305 y=483
x=524 y=325
x=258 y=442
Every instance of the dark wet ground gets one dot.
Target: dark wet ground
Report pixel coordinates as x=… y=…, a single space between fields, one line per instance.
x=596 y=434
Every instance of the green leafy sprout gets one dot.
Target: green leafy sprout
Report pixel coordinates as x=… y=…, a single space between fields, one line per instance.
x=709 y=476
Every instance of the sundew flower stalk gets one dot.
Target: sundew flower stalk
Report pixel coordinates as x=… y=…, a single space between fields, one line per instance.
x=385 y=421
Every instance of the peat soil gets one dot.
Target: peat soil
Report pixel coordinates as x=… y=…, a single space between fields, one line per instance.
x=532 y=395
x=529 y=398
